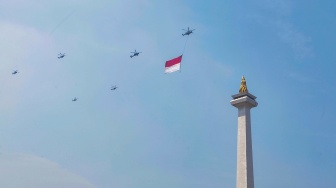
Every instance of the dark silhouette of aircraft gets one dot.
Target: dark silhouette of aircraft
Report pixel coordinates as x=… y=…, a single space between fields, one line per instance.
x=114 y=88
x=135 y=53
x=74 y=99
x=188 y=32
x=15 y=72
x=60 y=55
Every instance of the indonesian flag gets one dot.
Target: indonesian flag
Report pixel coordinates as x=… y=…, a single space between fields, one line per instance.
x=173 y=64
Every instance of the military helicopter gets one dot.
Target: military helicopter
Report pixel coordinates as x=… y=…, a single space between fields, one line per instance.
x=15 y=72
x=188 y=32
x=60 y=55
x=74 y=99
x=114 y=88
x=135 y=53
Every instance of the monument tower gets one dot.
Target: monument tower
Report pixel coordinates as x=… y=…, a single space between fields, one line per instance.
x=244 y=101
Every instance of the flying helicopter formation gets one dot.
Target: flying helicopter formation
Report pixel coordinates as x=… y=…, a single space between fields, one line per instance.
x=133 y=54
x=187 y=32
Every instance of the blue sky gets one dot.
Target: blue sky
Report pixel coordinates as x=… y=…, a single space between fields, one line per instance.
x=165 y=130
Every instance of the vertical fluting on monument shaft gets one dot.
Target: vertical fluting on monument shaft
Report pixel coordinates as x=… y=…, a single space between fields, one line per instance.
x=244 y=101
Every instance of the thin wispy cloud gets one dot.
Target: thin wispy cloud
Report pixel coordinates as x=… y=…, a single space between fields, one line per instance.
x=19 y=46
x=301 y=78
x=298 y=41
x=24 y=170
x=276 y=14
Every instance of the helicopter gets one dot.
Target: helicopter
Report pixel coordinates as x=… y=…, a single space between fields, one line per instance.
x=188 y=32
x=135 y=53
x=114 y=88
x=74 y=99
x=60 y=55
x=15 y=72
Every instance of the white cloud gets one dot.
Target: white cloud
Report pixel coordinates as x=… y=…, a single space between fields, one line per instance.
x=23 y=170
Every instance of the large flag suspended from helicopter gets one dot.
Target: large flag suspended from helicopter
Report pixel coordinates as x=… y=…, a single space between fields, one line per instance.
x=173 y=64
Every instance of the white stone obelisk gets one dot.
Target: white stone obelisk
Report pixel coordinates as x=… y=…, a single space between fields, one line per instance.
x=244 y=101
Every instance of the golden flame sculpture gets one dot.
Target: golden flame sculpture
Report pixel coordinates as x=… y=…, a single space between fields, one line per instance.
x=243 y=87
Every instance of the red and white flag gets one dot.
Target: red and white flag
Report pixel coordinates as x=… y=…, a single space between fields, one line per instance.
x=173 y=64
